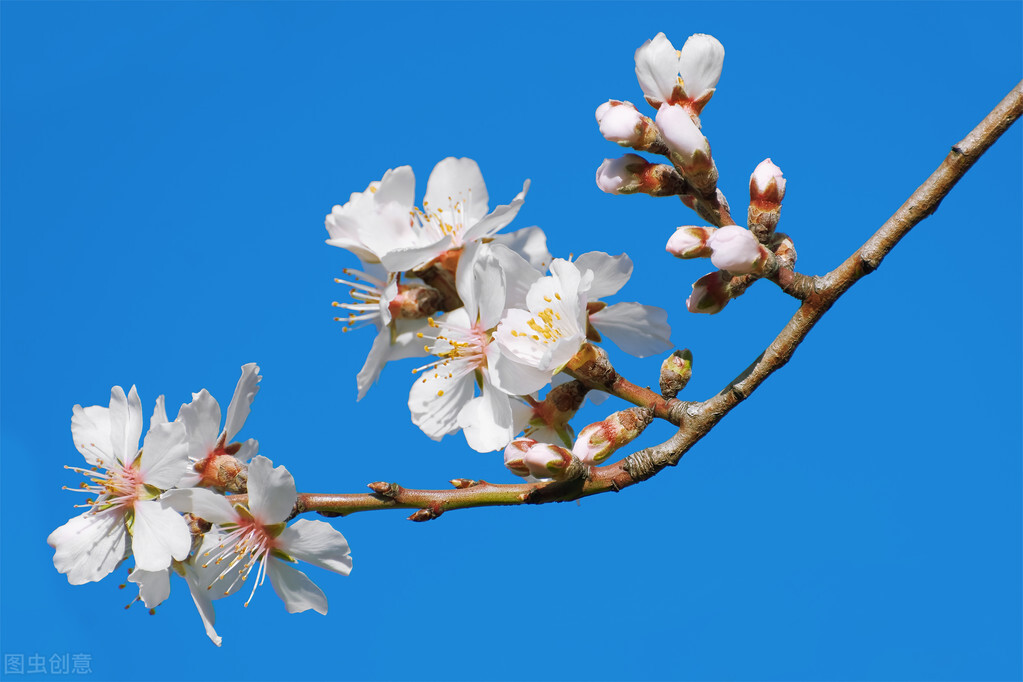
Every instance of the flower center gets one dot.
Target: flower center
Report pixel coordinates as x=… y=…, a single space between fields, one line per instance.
x=246 y=546
x=460 y=350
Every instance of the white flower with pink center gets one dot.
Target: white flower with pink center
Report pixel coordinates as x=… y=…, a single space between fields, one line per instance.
x=255 y=541
x=443 y=399
x=125 y=513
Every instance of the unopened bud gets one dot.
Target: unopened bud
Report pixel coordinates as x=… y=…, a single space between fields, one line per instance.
x=515 y=453
x=766 y=190
x=415 y=301
x=598 y=441
x=548 y=461
x=623 y=175
x=736 y=250
x=690 y=242
x=710 y=294
x=676 y=371
x=222 y=472
x=690 y=150
x=620 y=122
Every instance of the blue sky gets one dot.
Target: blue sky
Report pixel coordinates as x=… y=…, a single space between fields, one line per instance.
x=165 y=172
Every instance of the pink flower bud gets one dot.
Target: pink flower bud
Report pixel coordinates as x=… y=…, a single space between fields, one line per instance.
x=514 y=456
x=710 y=294
x=548 y=461
x=767 y=184
x=598 y=441
x=622 y=175
x=681 y=134
x=621 y=123
x=735 y=249
x=690 y=242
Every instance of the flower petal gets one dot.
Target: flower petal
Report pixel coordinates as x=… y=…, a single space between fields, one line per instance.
x=487 y=420
x=272 y=492
x=700 y=64
x=502 y=215
x=610 y=273
x=637 y=329
x=457 y=180
x=90 y=429
x=158 y=534
x=204 y=503
x=159 y=412
x=317 y=543
x=241 y=403
x=125 y=424
x=530 y=243
x=657 y=69
x=89 y=546
x=164 y=455
x=295 y=589
x=202 y=423
x=436 y=398
x=154 y=586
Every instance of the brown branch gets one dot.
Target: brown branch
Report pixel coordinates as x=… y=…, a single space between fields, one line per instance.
x=696 y=419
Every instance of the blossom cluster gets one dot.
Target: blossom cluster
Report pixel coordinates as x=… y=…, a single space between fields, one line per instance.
x=168 y=506
x=679 y=84
x=497 y=314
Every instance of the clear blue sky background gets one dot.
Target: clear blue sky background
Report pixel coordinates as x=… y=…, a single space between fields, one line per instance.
x=165 y=172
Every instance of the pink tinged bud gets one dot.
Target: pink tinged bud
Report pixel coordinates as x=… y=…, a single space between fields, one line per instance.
x=690 y=242
x=676 y=370
x=710 y=294
x=548 y=461
x=598 y=441
x=700 y=62
x=604 y=108
x=621 y=123
x=514 y=456
x=681 y=134
x=736 y=250
x=767 y=184
x=622 y=175
x=415 y=301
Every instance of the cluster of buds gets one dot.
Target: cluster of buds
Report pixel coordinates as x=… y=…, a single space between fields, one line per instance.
x=678 y=84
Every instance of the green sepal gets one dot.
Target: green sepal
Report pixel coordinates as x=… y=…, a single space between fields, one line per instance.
x=129 y=521
x=275 y=529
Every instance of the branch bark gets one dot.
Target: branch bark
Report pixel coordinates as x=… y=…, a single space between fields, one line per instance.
x=695 y=420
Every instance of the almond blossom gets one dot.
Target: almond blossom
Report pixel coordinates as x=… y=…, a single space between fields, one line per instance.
x=254 y=542
x=125 y=513
x=443 y=400
x=207 y=443
x=685 y=77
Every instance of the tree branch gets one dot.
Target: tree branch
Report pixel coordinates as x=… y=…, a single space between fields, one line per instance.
x=697 y=419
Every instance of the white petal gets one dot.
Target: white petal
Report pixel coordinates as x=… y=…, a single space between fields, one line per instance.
x=241 y=403
x=154 y=586
x=317 y=543
x=519 y=274
x=158 y=534
x=530 y=243
x=203 y=604
x=481 y=287
x=436 y=398
x=125 y=423
x=295 y=589
x=639 y=330
x=164 y=455
x=398 y=185
x=657 y=69
x=487 y=420
x=454 y=180
x=502 y=215
x=272 y=492
x=396 y=342
x=512 y=377
x=610 y=273
x=89 y=546
x=700 y=64
x=248 y=450
x=159 y=412
x=401 y=259
x=202 y=422
x=90 y=429
x=204 y=503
